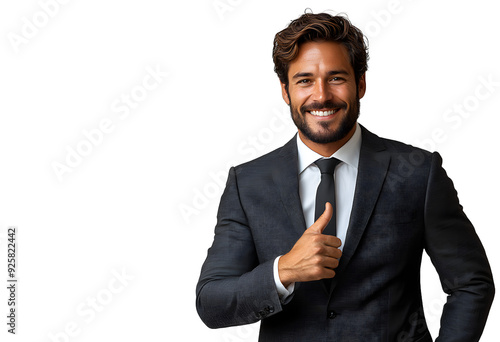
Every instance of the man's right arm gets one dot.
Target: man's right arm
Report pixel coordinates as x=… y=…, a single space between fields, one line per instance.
x=234 y=288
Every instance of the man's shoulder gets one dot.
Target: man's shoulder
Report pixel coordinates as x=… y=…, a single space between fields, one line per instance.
x=270 y=160
x=390 y=145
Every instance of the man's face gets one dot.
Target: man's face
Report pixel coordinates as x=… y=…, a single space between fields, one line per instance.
x=322 y=92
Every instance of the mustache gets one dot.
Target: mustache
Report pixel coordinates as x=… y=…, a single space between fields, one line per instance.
x=323 y=105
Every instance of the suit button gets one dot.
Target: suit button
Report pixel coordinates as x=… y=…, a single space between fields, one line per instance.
x=332 y=314
x=270 y=309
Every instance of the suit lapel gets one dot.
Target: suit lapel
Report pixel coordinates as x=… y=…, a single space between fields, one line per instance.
x=285 y=176
x=372 y=171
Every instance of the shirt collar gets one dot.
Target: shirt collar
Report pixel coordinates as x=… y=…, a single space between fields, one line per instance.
x=348 y=153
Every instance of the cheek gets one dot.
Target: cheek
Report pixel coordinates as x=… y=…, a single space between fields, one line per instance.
x=299 y=97
x=346 y=94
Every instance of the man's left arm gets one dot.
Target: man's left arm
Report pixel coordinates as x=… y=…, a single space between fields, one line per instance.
x=459 y=258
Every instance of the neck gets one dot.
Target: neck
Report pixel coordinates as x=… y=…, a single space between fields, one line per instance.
x=326 y=150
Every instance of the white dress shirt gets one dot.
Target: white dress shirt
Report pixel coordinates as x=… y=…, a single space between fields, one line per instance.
x=309 y=179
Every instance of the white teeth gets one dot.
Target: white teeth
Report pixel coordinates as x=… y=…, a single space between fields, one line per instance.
x=323 y=113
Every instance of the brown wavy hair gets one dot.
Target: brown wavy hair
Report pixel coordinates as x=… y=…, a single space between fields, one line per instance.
x=318 y=27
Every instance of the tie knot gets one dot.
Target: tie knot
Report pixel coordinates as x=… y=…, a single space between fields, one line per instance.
x=327 y=165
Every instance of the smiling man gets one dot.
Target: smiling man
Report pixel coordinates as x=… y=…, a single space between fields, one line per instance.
x=326 y=93
x=322 y=239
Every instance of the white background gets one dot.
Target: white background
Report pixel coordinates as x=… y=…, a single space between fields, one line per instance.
x=142 y=201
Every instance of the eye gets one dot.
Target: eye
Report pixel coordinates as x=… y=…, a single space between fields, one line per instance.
x=336 y=79
x=303 y=81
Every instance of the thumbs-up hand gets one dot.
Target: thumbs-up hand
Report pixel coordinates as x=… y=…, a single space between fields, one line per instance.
x=314 y=256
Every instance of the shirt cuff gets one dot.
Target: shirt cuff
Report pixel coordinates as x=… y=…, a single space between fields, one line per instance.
x=283 y=291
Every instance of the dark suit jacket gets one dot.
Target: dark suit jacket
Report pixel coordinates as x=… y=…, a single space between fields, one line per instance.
x=404 y=203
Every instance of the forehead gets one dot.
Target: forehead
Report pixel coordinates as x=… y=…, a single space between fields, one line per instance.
x=321 y=56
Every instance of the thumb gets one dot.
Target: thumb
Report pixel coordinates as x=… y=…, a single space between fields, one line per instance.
x=322 y=221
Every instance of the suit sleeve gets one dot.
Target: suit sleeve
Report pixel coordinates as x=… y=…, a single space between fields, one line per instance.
x=234 y=287
x=459 y=258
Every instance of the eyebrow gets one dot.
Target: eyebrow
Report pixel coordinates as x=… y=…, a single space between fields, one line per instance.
x=309 y=74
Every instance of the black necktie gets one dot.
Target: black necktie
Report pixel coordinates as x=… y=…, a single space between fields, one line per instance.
x=326 y=192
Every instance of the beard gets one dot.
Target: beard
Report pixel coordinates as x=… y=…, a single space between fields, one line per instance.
x=327 y=135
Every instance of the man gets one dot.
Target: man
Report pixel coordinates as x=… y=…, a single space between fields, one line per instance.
x=353 y=273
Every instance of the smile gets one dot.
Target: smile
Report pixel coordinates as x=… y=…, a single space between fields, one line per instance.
x=324 y=112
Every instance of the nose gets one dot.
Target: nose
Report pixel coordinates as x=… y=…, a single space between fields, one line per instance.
x=322 y=91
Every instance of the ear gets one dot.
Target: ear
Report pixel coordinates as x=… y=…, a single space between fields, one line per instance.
x=362 y=86
x=284 y=93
